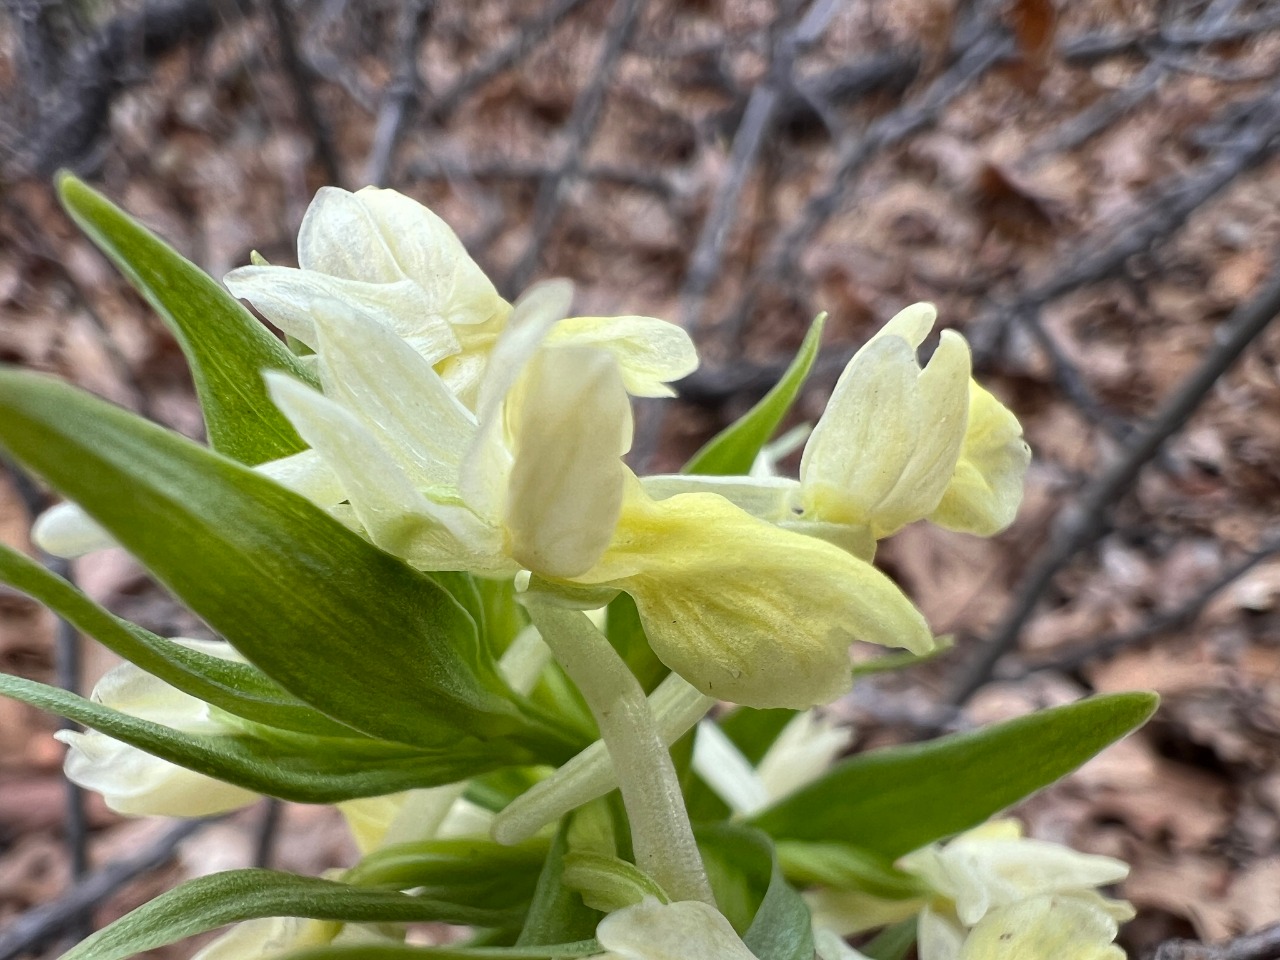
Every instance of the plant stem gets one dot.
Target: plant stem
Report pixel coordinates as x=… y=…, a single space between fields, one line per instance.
x=660 y=829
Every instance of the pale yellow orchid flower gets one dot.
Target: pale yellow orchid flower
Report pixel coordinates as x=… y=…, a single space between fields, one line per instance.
x=651 y=930
x=999 y=896
x=132 y=781
x=534 y=480
x=396 y=264
x=899 y=443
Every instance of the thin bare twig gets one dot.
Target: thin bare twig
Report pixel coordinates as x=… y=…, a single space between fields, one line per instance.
x=41 y=924
x=264 y=840
x=439 y=168
x=581 y=125
x=1181 y=616
x=527 y=38
x=1083 y=524
x=302 y=79
x=401 y=94
x=756 y=121
x=1092 y=47
x=1262 y=945
x=1097 y=259
x=988 y=49
x=67 y=656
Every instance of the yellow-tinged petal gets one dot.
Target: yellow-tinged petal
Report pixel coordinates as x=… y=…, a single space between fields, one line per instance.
x=865 y=437
x=746 y=611
x=911 y=323
x=569 y=431
x=942 y=403
x=986 y=490
x=65 y=530
x=650 y=352
x=1049 y=927
x=340 y=237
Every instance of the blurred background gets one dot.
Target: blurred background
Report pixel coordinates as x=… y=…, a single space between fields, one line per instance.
x=1088 y=190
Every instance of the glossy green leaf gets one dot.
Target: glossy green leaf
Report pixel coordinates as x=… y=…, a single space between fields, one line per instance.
x=210 y=902
x=289 y=766
x=732 y=451
x=892 y=801
x=226 y=347
x=347 y=628
x=238 y=688
x=781 y=927
x=626 y=634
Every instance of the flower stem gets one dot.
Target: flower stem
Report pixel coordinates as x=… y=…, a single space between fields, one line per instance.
x=660 y=830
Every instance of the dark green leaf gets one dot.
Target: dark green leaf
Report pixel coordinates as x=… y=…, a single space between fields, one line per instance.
x=335 y=621
x=238 y=688
x=896 y=800
x=732 y=451
x=627 y=636
x=210 y=902
x=838 y=865
x=290 y=766
x=225 y=346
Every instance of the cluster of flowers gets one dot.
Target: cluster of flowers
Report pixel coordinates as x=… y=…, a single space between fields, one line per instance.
x=463 y=433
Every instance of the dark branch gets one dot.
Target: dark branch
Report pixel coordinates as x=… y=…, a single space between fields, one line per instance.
x=401 y=94
x=1084 y=523
x=302 y=79
x=1263 y=945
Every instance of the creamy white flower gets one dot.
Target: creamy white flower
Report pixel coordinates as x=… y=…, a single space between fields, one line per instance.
x=651 y=930
x=135 y=782
x=534 y=480
x=1001 y=896
x=398 y=265
x=897 y=443
x=267 y=938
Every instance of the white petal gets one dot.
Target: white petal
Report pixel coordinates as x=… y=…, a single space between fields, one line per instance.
x=395 y=392
x=137 y=784
x=569 y=430
x=911 y=323
x=395 y=515
x=651 y=352
x=805 y=749
x=431 y=255
x=65 y=530
x=339 y=236
x=650 y=930
x=488 y=463
x=305 y=473
x=939 y=938
x=723 y=768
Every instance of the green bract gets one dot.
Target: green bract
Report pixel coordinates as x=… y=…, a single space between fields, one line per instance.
x=445 y=603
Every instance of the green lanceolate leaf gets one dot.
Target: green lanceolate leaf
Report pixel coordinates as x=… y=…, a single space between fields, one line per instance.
x=289 y=766
x=225 y=346
x=732 y=451
x=842 y=867
x=347 y=628
x=780 y=927
x=237 y=688
x=893 y=801
x=210 y=902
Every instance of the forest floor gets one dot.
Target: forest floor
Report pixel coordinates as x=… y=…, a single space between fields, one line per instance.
x=1087 y=196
